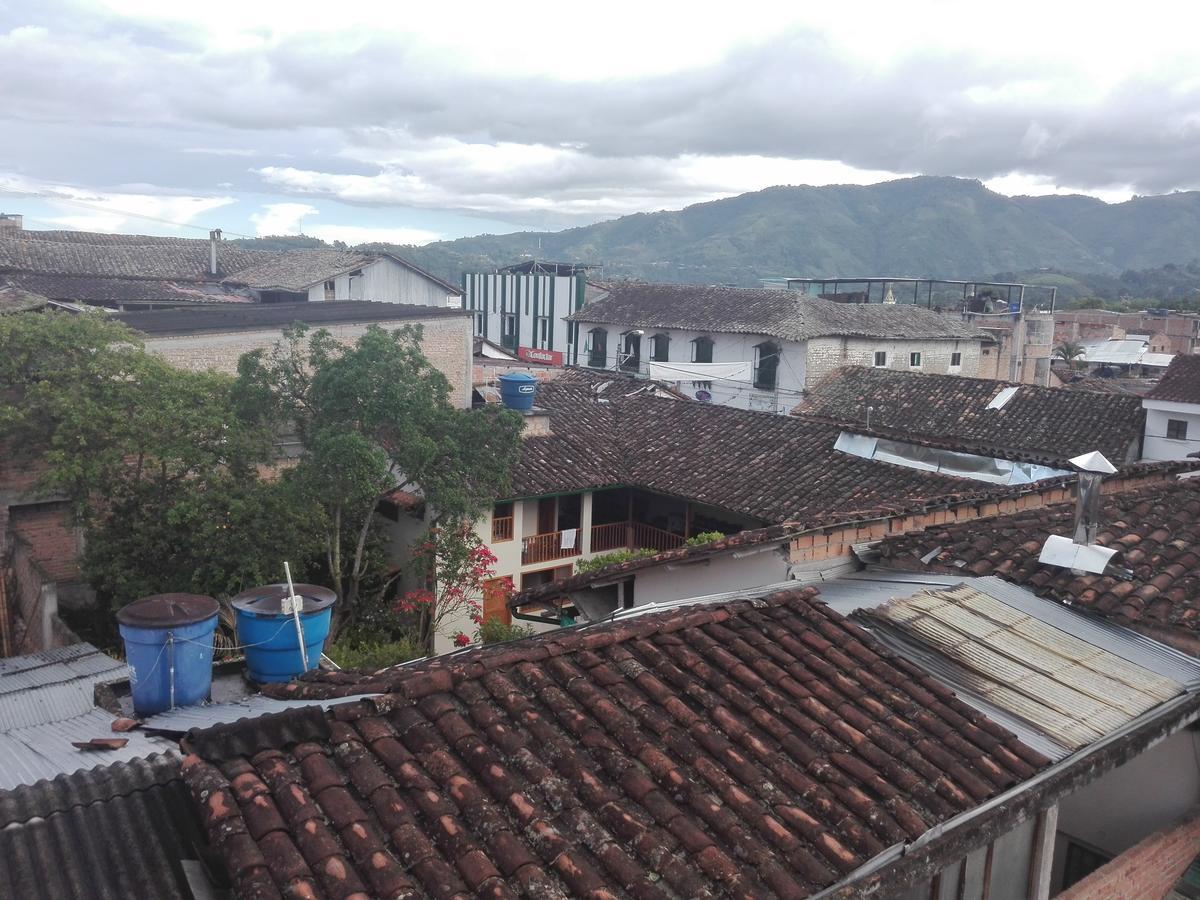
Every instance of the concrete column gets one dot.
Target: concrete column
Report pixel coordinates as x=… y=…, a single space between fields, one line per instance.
x=1042 y=859
x=49 y=604
x=585 y=524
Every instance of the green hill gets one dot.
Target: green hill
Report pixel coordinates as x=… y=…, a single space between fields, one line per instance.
x=946 y=227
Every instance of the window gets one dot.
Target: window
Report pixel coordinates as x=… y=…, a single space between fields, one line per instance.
x=702 y=350
x=880 y=359
x=356 y=280
x=480 y=326
x=508 y=331
x=956 y=360
x=543 y=334
x=914 y=360
x=631 y=355
x=331 y=290
x=1177 y=429
x=660 y=348
x=597 y=348
x=766 y=366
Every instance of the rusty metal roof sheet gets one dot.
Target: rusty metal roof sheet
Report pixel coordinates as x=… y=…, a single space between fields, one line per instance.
x=1073 y=679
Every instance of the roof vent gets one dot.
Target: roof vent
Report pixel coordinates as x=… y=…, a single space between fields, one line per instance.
x=1080 y=553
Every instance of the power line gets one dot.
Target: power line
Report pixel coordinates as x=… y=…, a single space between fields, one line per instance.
x=56 y=198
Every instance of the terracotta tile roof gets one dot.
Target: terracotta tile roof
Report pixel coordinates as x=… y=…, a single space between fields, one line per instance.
x=1180 y=383
x=1156 y=529
x=190 y=320
x=164 y=258
x=1097 y=384
x=100 y=290
x=296 y=270
x=787 y=315
x=1051 y=423
x=753 y=748
x=768 y=467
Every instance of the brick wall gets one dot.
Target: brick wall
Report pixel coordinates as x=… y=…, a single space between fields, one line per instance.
x=53 y=541
x=1147 y=870
x=827 y=354
x=447 y=343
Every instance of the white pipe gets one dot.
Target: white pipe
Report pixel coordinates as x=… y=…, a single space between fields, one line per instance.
x=296 y=603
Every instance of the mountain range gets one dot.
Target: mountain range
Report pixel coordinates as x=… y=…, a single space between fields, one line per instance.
x=926 y=226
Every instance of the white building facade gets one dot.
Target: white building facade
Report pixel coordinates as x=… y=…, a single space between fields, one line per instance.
x=1172 y=429
x=759 y=349
x=527 y=310
x=386 y=279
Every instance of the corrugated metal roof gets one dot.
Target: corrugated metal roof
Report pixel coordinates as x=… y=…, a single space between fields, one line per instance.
x=207 y=715
x=127 y=830
x=53 y=685
x=1072 y=682
x=44 y=750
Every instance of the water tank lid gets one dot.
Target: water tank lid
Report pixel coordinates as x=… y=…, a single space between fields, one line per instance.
x=162 y=610
x=267 y=599
x=518 y=378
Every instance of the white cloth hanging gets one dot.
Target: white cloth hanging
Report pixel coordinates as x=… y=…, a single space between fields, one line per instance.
x=568 y=538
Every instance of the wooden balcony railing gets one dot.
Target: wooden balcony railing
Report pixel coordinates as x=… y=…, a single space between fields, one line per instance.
x=612 y=536
x=545 y=547
x=502 y=529
x=632 y=536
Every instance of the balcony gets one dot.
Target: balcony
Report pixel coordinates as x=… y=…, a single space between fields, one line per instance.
x=502 y=529
x=548 y=547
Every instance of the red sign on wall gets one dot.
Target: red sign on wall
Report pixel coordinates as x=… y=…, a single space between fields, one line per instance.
x=529 y=354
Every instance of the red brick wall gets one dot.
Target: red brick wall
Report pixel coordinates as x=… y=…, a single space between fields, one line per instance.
x=1146 y=870
x=53 y=541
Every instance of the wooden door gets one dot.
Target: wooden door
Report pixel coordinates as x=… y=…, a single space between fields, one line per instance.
x=547 y=515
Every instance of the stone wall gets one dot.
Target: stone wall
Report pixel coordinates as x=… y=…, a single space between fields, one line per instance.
x=827 y=354
x=446 y=343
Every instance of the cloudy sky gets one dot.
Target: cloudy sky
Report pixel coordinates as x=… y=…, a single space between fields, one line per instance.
x=378 y=121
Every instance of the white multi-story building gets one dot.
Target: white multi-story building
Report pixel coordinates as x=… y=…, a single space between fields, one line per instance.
x=758 y=349
x=524 y=308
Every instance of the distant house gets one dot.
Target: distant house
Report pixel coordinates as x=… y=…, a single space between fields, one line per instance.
x=140 y=272
x=994 y=418
x=523 y=307
x=214 y=337
x=1173 y=412
x=758 y=349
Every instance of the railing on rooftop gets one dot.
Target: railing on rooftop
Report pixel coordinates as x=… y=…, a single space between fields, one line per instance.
x=604 y=538
x=545 y=547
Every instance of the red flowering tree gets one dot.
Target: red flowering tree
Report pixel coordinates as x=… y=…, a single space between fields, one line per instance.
x=459 y=570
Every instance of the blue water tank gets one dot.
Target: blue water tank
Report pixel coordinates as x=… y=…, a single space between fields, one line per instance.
x=269 y=634
x=518 y=390
x=169 y=649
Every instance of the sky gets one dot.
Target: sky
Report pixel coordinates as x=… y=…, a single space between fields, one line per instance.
x=380 y=121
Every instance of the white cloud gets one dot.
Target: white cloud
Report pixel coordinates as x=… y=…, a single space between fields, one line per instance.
x=365 y=234
x=89 y=210
x=281 y=218
x=1022 y=184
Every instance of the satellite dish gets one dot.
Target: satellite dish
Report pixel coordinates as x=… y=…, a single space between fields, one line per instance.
x=704 y=396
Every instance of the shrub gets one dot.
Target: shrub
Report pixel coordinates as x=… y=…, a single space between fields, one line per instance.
x=494 y=631
x=704 y=537
x=359 y=650
x=607 y=559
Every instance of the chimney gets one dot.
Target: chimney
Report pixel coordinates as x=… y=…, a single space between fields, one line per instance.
x=214 y=238
x=536 y=422
x=1092 y=469
x=11 y=222
x=1080 y=553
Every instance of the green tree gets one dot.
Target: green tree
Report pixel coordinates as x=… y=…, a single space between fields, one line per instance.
x=160 y=472
x=1068 y=352
x=371 y=417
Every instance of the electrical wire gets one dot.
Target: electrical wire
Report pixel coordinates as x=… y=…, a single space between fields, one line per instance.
x=56 y=198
